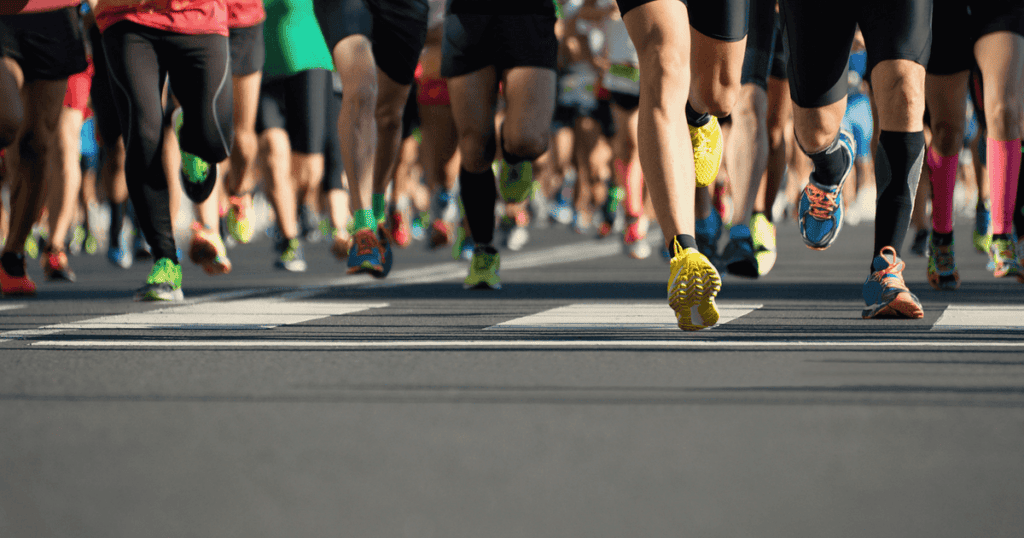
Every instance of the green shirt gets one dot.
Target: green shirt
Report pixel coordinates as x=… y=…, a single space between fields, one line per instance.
x=293 y=39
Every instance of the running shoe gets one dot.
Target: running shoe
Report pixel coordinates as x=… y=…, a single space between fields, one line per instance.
x=920 y=245
x=198 y=177
x=388 y=258
x=483 y=269
x=290 y=256
x=515 y=182
x=32 y=246
x=207 y=250
x=517 y=237
x=418 y=227
x=401 y=234
x=55 y=265
x=240 y=212
x=120 y=252
x=366 y=254
x=92 y=244
x=1004 y=259
x=1019 y=251
x=942 y=273
x=693 y=284
x=982 y=226
x=885 y=293
x=14 y=278
x=163 y=284
x=635 y=240
x=77 y=242
x=442 y=233
x=821 y=206
x=707 y=151
x=708 y=233
x=739 y=256
x=763 y=233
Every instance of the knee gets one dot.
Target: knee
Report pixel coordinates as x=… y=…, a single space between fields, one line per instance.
x=36 y=143
x=1004 y=119
x=719 y=96
x=477 y=151
x=389 y=120
x=527 y=145
x=947 y=137
x=246 y=144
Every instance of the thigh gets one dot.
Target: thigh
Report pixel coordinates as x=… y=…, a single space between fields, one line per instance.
x=199 y=67
x=757 y=58
x=820 y=36
x=398 y=38
x=339 y=19
x=306 y=110
x=529 y=98
x=136 y=79
x=474 y=97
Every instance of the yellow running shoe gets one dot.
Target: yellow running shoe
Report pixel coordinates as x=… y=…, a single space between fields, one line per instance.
x=707 y=151
x=692 y=287
x=240 y=213
x=763 y=233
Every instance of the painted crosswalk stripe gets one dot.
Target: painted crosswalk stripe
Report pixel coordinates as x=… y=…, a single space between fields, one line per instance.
x=10 y=306
x=681 y=344
x=243 y=315
x=615 y=316
x=961 y=317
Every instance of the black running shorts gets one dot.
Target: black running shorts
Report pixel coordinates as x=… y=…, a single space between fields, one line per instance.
x=247 y=50
x=626 y=101
x=820 y=35
x=780 y=54
x=475 y=41
x=47 y=46
x=725 y=20
x=757 y=59
x=298 y=104
x=397 y=30
x=957 y=24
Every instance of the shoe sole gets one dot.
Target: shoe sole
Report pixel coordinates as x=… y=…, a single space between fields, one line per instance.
x=902 y=306
x=481 y=286
x=173 y=296
x=698 y=296
x=366 y=267
x=205 y=255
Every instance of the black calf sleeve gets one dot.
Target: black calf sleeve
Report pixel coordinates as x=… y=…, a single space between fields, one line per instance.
x=897 y=172
x=478 y=197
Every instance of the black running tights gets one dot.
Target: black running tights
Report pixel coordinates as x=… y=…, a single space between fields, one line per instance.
x=139 y=59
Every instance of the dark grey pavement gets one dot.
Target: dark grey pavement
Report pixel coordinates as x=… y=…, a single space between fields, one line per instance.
x=276 y=404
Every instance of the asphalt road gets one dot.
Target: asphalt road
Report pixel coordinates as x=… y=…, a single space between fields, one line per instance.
x=566 y=404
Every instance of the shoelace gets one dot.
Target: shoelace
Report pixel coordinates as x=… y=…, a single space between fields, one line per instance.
x=823 y=203
x=892 y=275
x=364 y=243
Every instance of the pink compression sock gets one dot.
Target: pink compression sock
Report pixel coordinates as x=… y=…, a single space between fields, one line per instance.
x=634 y=190
x=1003 y=168
x=943 y=181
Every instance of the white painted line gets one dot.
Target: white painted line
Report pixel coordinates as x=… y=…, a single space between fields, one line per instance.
x=28 y=333
x=961 y=317
x=614 y=316
x=245 y=314
x=512 y=345
x=11 y=307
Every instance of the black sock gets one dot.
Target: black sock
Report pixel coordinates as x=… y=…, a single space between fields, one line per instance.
x=13 y=264
x=942 y=240
x=116 y=223
x=1001 y=236
x=829 y=164
x=897 y=172
x=686 y=241
x=695 y=118
x=478 y=197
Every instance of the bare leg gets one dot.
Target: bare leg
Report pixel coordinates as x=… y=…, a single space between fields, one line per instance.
x=357 y=129
x=277 y=155
x=66 y=181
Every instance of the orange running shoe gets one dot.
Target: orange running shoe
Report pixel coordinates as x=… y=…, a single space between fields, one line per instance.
x=885 y=293
x=14 y=283
x=207 y=251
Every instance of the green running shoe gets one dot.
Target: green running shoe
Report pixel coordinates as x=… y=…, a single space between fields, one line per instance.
x=198 y=177
x=163 y=284
x=483 y=270
x=516 y=181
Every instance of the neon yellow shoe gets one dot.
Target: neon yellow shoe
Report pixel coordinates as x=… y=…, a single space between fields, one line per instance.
x=692 y=287
x=763 y=233
x=163 y=284
x=240 y=212
x=483 y=271
x=515 y=181
x=707 y=151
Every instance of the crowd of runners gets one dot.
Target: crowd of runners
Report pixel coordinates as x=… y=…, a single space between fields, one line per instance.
x=471 y=124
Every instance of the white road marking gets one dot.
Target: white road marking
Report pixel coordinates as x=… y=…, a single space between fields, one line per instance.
x=681 y=344
x=613 y=316
x=959 y=317
x=11 y=307
x=244 y=314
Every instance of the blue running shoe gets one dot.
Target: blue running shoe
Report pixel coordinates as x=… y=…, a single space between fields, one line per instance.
x=821 y=206
x=708 y=233
x=366 y=254
x=983 y=227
